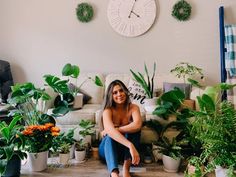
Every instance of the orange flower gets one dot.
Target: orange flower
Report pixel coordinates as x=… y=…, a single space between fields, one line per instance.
x=32 y=127
x=49 y=125
x=42 y=128
x=27 y=132
x=55 y=133
x=55 y=129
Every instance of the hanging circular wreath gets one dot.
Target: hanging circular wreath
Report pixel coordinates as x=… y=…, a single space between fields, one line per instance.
x=181 y=10
x=84 y=12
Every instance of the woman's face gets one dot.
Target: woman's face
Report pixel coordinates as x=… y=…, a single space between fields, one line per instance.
x=118 y=95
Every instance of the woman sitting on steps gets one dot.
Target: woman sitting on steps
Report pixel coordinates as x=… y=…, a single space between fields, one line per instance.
x=121 y=135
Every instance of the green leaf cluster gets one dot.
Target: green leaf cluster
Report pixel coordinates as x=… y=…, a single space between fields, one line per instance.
x=148 y=83
x=188 y=71
x=61 y=142
x=25 y=98
x=86 y=128
x=215 y=127
x=11 y=142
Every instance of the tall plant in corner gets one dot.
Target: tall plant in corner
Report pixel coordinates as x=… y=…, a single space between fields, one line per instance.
x=148 y=84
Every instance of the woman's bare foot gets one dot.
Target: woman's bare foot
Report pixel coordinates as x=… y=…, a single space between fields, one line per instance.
x=126 y=168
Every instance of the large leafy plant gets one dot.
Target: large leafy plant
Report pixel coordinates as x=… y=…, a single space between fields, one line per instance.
x=61 y=86
x=25 y=98
x=146 y=83
x=215 y=127
x=169 y=103
x=11 y=142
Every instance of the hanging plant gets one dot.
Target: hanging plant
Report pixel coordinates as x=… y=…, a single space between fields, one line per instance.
x=181 y=10
x=84 y=12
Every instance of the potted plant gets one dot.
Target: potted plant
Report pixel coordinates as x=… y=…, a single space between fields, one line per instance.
x=190 y=75
x=171 y=154
x=94 y=149
x=214 y=125
x=64 y=152
x=64 y=138
x=147 y=83
x=68 y=94
x=11 y=145
x=38 y=142
x=80 y=150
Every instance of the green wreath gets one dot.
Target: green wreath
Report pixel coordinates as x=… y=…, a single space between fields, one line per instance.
x=84 y=12
x=181 y=10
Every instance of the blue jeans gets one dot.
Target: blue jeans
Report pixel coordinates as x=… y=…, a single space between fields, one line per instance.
x=111 y=151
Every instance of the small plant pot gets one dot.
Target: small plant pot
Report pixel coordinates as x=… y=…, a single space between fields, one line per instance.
x=95 y=153
x=80 y=155
x=189 y=104
x=150 y=104
x=78 y=101
x=170 y=164
x=64 y=158
x=220 y=172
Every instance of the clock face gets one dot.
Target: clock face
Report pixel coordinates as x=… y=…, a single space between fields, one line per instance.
x=131 y=17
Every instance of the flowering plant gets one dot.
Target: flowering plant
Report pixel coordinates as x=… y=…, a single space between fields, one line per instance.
x=39 y=138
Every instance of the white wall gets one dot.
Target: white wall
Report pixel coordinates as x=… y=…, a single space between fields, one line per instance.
x=39 y=36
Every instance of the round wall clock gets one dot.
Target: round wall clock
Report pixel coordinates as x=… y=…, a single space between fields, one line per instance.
x=131 y=18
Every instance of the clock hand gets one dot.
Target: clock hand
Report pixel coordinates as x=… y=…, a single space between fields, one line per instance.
x=132 y=9
x=135 y=14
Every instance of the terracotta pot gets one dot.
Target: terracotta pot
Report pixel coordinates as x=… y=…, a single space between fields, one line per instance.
x=188 y=104
x=95 y=153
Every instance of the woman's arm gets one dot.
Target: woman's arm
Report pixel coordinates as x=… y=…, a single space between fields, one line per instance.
x=117 y=136
x=136 y=124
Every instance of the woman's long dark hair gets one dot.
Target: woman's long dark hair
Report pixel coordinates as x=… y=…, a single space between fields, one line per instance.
x=108 y=101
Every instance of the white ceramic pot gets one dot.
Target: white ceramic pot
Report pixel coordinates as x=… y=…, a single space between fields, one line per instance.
x=64 y=158
x=170 y=164
x=150 y=104
x=38 y=161
x=78 y=101
x=80 y=155
x=220 y=172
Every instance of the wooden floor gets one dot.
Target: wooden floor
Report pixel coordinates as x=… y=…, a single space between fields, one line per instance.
x=95 y=168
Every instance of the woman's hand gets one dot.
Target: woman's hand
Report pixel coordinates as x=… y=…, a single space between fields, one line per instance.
x=103 y=133
x=134 y=154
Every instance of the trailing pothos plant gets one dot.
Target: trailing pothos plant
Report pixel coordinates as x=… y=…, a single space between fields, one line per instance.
x=215 y=127
x=11 y=142
x=148 y=82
